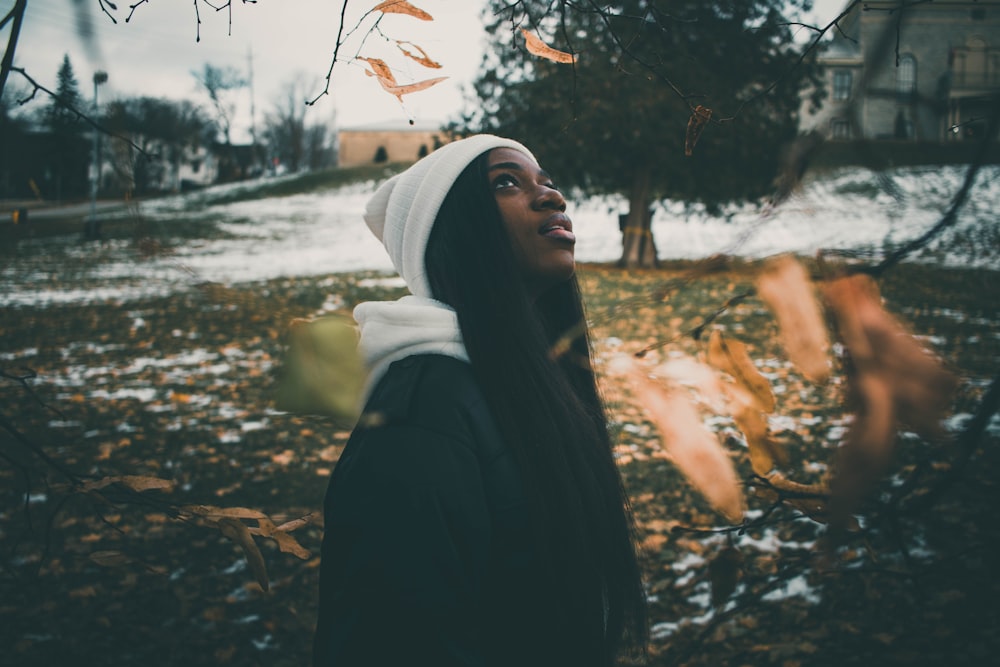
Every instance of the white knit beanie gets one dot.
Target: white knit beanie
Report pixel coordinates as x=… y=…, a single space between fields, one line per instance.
x=403 y=209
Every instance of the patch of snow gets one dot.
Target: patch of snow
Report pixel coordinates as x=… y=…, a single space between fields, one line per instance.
x=321 y=232
x=795 y=587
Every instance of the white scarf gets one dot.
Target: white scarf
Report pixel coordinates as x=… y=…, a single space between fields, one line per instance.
x=393 y=330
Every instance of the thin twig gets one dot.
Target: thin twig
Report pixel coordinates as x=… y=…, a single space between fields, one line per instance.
x=968 y=442
x=336 y=51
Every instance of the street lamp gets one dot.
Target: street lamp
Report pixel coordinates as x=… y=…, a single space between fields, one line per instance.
x=91 y=229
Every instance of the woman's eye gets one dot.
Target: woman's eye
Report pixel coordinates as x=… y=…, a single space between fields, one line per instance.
x=504 y=181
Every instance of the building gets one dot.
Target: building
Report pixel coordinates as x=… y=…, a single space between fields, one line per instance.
x=384 y=143
x=910 y=71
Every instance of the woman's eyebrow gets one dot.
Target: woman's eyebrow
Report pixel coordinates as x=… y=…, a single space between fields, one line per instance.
x=517 y=167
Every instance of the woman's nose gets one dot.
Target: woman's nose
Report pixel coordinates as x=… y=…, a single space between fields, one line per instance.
x=549 y=197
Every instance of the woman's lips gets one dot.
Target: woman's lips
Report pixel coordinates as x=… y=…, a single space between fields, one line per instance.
x=558 y=227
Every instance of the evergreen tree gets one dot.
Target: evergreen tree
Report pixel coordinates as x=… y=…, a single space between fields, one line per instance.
x=615 y=120
x=68 y=147
x=61 y=116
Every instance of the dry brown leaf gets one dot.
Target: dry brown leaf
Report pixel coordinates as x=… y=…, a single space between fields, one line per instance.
x=213 y=513
x=240 y=534
x=867 y=449
x=422 y=58
x=286 y=543
x=402 y=7
x=110 y=558
x=294 y=524
x=695 y=451
x=696 y=125
x=810 y=499
x=388 y=82
x=537 y=47
x=891 y=378
x=878 y=344
x=134 y=482
x=702 y=378
x=784 y=286
x=142 y=483
x=724 y=572
x=765 y=451
x=730 y=356
x=399 y=91
x=782 y=483
x=379 y=70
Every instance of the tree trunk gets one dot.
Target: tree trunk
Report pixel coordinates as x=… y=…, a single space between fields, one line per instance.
x=638 y=247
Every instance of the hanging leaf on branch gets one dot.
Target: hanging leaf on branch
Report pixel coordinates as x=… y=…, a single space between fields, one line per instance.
x=725 y=571
x=402 y=7
x=696 y=124
x=420 y=57
x=892 y=380
x=784 y=286
x=705 y=381
x=229 y=522
x=765 y=451
x=730 y=356
x=236 y=531
x=384 y=75
x=752 y=397
x=286 y=543
x=537 y=47
x=379 y=69
x=695 y=451
x=399 y=91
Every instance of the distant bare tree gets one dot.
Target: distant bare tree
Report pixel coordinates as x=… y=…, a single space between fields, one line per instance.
x=294 y=143
x=220 y=84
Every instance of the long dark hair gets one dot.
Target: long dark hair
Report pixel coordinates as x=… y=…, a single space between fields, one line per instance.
x=548 y=410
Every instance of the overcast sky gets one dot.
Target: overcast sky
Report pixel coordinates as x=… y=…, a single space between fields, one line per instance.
x=156 y=52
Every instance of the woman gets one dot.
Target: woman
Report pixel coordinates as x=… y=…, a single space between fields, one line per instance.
x=476 y=516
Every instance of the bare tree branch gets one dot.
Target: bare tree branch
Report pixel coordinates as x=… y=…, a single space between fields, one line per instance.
x=16 y=17
x=79 y=114
x=958 y=201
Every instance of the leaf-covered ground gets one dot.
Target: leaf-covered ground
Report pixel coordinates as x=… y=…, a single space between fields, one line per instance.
x=179 y=388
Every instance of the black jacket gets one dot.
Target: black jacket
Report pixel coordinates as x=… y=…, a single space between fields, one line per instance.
x=428 y=556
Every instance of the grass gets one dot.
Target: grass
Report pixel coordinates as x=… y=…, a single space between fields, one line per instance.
x=178 y=387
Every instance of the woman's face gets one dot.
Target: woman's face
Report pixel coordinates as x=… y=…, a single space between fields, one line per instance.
x=534 y=212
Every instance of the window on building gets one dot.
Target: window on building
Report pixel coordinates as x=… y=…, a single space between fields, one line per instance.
x=840 y=128
x=842 y=84
x=906 y=75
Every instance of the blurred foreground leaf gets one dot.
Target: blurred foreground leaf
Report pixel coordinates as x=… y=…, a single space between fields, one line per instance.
x=323 y=372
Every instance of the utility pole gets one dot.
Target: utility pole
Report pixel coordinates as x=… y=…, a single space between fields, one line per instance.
x=253 y=119
x=92 y=228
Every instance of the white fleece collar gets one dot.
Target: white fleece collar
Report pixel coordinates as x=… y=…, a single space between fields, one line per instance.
x=392 y=330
